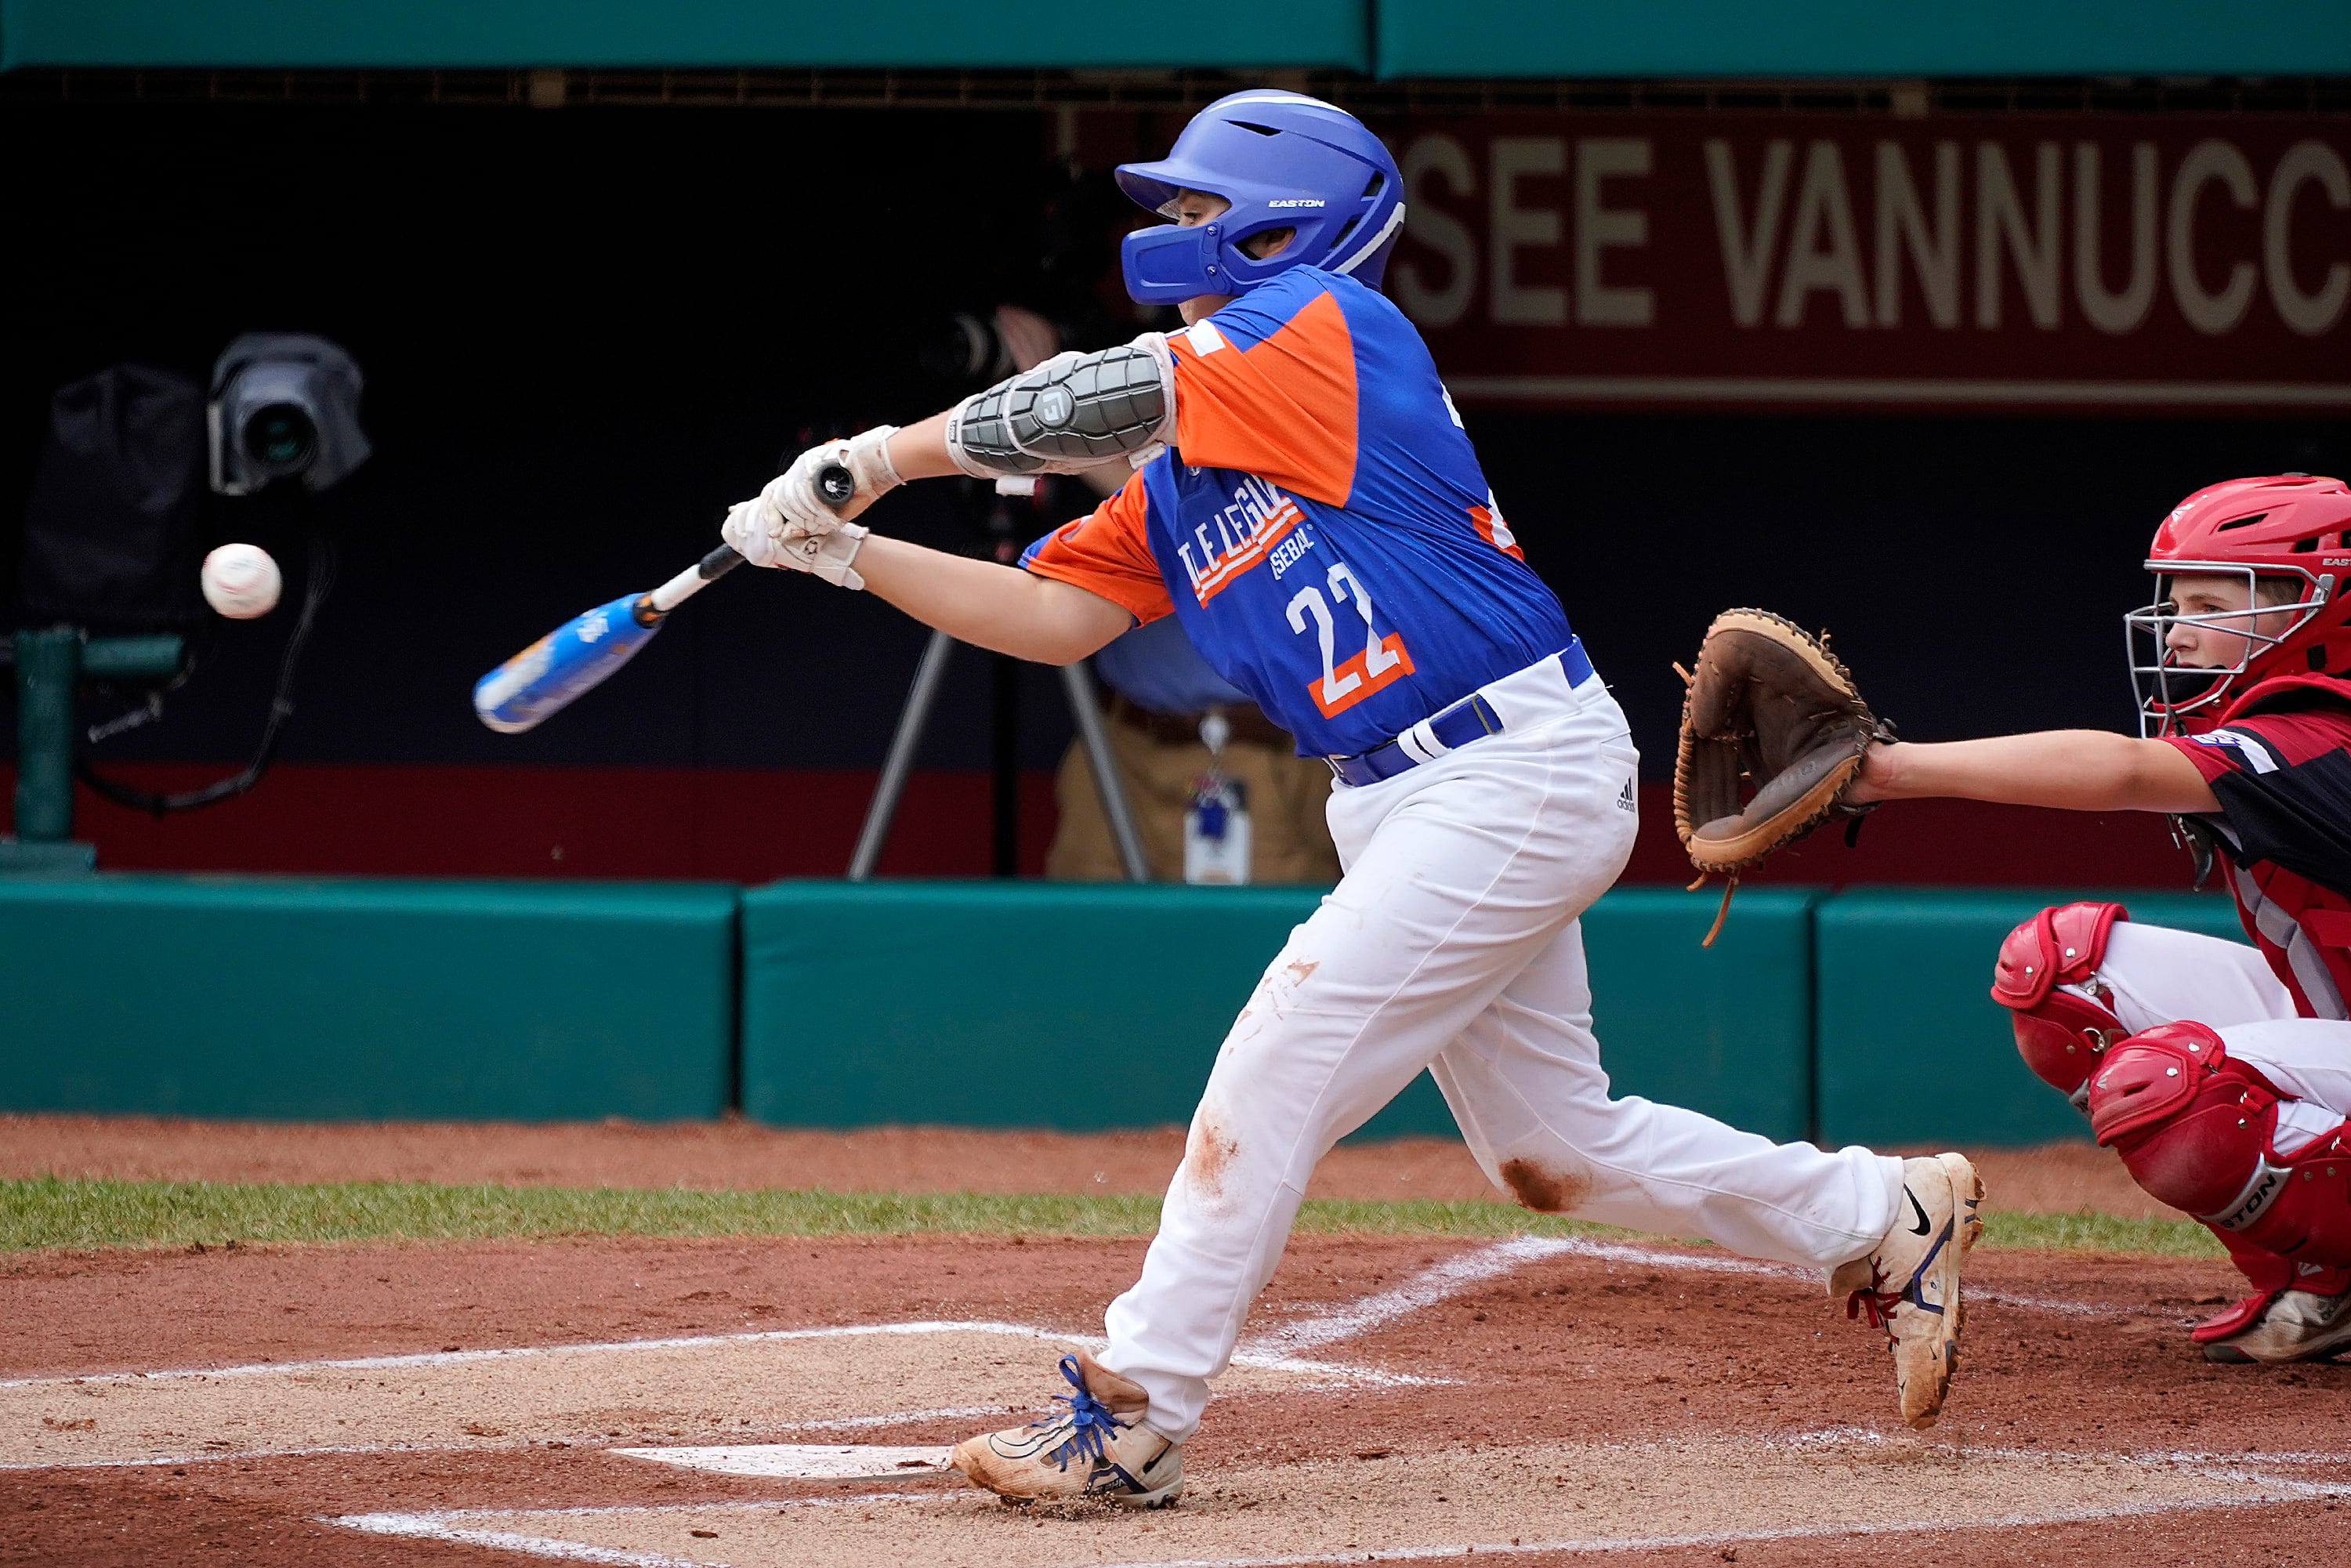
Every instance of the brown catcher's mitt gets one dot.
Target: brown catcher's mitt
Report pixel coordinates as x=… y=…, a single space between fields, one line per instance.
x=1767 y=703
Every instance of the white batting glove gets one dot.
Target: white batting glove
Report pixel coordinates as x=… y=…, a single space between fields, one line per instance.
x=750 y=537
x=787 y=523
x=828 y=555
x=792 y=506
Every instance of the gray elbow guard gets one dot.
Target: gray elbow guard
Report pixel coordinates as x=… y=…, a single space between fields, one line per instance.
x=1072 y=412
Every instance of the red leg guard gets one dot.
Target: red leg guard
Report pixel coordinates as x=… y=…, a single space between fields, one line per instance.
x=2060 y=1035
x=2195 y=1129
x=2262 y=1269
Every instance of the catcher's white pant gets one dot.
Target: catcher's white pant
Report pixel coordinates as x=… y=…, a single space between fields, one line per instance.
x=2161 y=975
x=1452 y=942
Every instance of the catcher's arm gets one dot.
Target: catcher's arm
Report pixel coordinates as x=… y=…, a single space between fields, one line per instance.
x=2072 y=769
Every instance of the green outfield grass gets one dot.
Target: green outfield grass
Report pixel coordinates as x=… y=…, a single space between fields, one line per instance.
x=51 y=1212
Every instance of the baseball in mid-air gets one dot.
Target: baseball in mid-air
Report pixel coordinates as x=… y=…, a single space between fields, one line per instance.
x=241 y=581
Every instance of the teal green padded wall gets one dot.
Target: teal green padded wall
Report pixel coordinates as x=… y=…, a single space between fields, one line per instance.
x=625 y=34
x=1075 y=1006
x=1083 y=1006
x=1862 y=39
x=1911 y=1047
x=1726 y=1029
x=277 y=998
x=1410 y=38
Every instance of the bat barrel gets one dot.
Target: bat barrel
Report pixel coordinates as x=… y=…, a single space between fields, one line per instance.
x=553 y=671
x=580 y=654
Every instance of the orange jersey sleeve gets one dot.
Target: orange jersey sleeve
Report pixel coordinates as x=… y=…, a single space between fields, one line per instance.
x=1108 y=552
x=1281 y=407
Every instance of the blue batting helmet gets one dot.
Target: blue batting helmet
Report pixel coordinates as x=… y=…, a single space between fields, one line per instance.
x=1283 y=161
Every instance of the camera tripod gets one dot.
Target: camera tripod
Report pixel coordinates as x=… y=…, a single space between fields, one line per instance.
x=1077 y=684
x=913 y=719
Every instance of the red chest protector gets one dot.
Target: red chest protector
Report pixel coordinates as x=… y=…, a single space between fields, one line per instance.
x=2302 y=928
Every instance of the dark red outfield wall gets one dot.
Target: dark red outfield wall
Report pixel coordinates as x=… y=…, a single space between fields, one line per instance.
x=753 y=825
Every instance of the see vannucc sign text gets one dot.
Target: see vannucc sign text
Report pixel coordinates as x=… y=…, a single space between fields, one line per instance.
x=2096 y=262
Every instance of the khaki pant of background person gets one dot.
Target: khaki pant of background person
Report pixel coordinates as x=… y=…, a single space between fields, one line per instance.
x=1289 y=839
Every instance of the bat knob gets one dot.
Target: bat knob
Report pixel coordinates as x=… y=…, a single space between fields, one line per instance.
x=836 y=484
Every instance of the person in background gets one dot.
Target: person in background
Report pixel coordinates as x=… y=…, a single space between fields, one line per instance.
x=1159 y=691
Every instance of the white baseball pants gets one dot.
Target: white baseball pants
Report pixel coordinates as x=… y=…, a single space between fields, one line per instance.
x=2161 y=975
x=1452 y=944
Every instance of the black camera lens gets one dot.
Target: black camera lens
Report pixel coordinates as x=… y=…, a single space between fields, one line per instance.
x=280 y=438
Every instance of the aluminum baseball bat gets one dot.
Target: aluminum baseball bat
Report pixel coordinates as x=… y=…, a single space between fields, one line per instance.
x=580 y=654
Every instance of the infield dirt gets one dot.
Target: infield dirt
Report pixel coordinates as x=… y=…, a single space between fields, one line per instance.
x=1640 y=1400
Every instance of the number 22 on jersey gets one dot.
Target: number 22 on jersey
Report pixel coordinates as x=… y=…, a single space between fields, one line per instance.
x=1345 y=683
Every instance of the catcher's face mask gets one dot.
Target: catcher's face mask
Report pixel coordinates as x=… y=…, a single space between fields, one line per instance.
x=2208 y=628
x=2209 y=637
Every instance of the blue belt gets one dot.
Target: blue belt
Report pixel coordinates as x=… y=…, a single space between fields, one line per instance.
x=1470 y=719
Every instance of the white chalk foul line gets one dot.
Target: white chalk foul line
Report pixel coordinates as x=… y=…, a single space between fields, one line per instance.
x=1594 y=1545
x=266 y=1454
x=586 y=1347
x=1431 y=1285
x=423 y=1527
x=2251 y=1465
x=1272 y=1362
x=1331 y=1374
x=716 y=1505
x=1274 y=1350
x=1459 y=1273
x=459 y=1525
x=1654 y=1258
x=839 y=1424
x=454 y=1525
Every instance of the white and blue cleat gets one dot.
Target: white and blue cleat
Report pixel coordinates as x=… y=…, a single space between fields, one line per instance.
x=1098 y=1448
x=1909 y=1283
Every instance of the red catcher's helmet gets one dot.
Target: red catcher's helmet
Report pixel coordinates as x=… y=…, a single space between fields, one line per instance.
x=2289 y=526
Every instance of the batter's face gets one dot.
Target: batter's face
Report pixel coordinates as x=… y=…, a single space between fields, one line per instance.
x=1192 y=208
x=2222 y=643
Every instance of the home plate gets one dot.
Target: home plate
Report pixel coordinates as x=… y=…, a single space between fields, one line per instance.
x=802 y=1461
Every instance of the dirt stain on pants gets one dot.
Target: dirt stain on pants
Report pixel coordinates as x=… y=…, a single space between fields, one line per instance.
x=1206 y=1153
x=1545 y=1191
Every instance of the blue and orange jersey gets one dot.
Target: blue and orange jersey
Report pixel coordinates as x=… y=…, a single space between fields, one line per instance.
x=1320 y=523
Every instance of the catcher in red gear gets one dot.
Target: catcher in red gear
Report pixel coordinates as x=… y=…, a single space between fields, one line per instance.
x=2222 y=1073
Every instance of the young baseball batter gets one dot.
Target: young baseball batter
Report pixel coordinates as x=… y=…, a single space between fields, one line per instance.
x=1307 y=502
x=2220 y=1073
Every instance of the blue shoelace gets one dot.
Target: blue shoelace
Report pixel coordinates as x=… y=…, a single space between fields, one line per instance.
x=1091 y=1423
